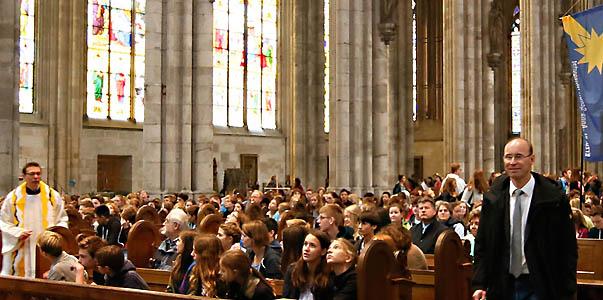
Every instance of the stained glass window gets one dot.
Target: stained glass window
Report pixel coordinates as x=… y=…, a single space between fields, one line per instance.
x=26 y=56
x=116 y=42
x=327 y=70
x=244 y=63
x=515 y=75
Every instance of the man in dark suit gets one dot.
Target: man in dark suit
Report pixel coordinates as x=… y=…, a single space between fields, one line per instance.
x=526 y=245
x=425 y=234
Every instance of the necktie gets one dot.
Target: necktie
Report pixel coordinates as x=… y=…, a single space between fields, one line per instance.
x=516 y=255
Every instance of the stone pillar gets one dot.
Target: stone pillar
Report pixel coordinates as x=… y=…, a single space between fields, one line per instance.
x=178 y=131
x=9 y=87
x=154 y=93
x=339 y=136
x=400 y=116
x=467 y=130
x=540 y=33
x=307 y=128
x=202 y=127
x=381 y=98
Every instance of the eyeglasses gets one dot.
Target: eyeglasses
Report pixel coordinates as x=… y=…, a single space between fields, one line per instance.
x=510 y=157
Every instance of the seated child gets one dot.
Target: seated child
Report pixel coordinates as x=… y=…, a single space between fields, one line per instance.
x=64 y=267
x=118 y=271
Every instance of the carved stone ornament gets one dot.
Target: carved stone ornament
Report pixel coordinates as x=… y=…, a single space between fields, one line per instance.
x=387 y=26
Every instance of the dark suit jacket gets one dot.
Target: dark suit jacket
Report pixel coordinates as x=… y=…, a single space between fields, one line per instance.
x=550 y=247
x=426 y=241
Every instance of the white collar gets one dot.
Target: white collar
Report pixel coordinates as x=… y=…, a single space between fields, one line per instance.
x=528 y=188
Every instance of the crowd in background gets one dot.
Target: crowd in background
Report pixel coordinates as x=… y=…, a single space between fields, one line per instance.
x=228 y=245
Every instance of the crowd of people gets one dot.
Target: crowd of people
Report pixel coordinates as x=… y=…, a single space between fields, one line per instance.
x=226 y=246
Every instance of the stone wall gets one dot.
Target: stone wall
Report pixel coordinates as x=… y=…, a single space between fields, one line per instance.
x=271 y=152
x=98 y=141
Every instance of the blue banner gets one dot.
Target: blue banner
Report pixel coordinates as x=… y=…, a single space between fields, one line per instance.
x=584 y=36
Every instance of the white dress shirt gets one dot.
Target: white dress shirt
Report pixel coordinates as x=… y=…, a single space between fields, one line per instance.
x=526 y=200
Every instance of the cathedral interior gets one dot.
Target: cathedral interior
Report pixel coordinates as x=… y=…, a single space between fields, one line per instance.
x=169 y=96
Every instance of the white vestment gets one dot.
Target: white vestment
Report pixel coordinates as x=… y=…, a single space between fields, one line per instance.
x=21 y=212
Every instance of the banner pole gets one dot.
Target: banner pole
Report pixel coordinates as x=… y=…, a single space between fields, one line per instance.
x=582 y=171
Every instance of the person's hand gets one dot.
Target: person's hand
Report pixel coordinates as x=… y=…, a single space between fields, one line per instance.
x=479 y=295
x=45 y=275
x=25 y=235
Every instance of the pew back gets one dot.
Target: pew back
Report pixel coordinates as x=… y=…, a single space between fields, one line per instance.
x=590 y=259
x=17 y=288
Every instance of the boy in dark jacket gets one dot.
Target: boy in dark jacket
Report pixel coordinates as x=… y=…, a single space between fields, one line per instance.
x=118 y=271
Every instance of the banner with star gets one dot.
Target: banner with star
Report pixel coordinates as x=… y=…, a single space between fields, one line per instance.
x=584 y=36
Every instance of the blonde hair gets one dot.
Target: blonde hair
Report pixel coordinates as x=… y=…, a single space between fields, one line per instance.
x=51 y=243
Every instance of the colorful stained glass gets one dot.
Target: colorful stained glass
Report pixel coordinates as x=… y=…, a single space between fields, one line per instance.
x=26 y=56
x=244 y=63
x=116 y=70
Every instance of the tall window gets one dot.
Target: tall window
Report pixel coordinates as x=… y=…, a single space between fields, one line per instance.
x=244 y=64
x=515 y=75
x=116 y=39
x=326 y=45
x=26 y=56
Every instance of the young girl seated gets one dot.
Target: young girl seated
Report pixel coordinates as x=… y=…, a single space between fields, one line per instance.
x=263 y=258
x=204 y=275
x=242 y=281
x=341 y=256
x=179 y=277
x=310 y=277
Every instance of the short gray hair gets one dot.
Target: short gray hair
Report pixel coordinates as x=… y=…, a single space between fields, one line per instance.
x=179 y=217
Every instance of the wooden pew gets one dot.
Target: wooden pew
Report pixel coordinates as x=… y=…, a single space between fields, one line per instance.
x=157 y=280
x=17 y=288
x=449 y=277
x=590 y=269
x=143 y=240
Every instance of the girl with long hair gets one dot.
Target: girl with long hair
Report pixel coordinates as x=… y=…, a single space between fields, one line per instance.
x=293 y=243
x=263 y=258
x=183 y=264
x=310 y=277
x=474 y=192
x=242 y=281
x=204 y=275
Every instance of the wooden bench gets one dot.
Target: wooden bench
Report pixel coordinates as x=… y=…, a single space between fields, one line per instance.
x=157 y=280
x=18 y=288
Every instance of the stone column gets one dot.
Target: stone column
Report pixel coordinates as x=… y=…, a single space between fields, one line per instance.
x=202 y=127
x=9 y=87
x=339 y=136
x=154 y=93
x=467 y=130
x=540 y=31
x=402 y=137
x=381 y=97
x=307 y=128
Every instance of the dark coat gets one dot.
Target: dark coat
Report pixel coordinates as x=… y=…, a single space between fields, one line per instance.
x=127 y=278
x=271 y=264
x=550 y=248
x=344 y=285
x=110 y=231
x=426 y=241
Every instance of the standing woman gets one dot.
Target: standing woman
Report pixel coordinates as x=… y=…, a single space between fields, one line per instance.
x=341 y=256
x=474 y=192
x=242 y=281
x=309 y=277
x=184 y=263
x=204 y=275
